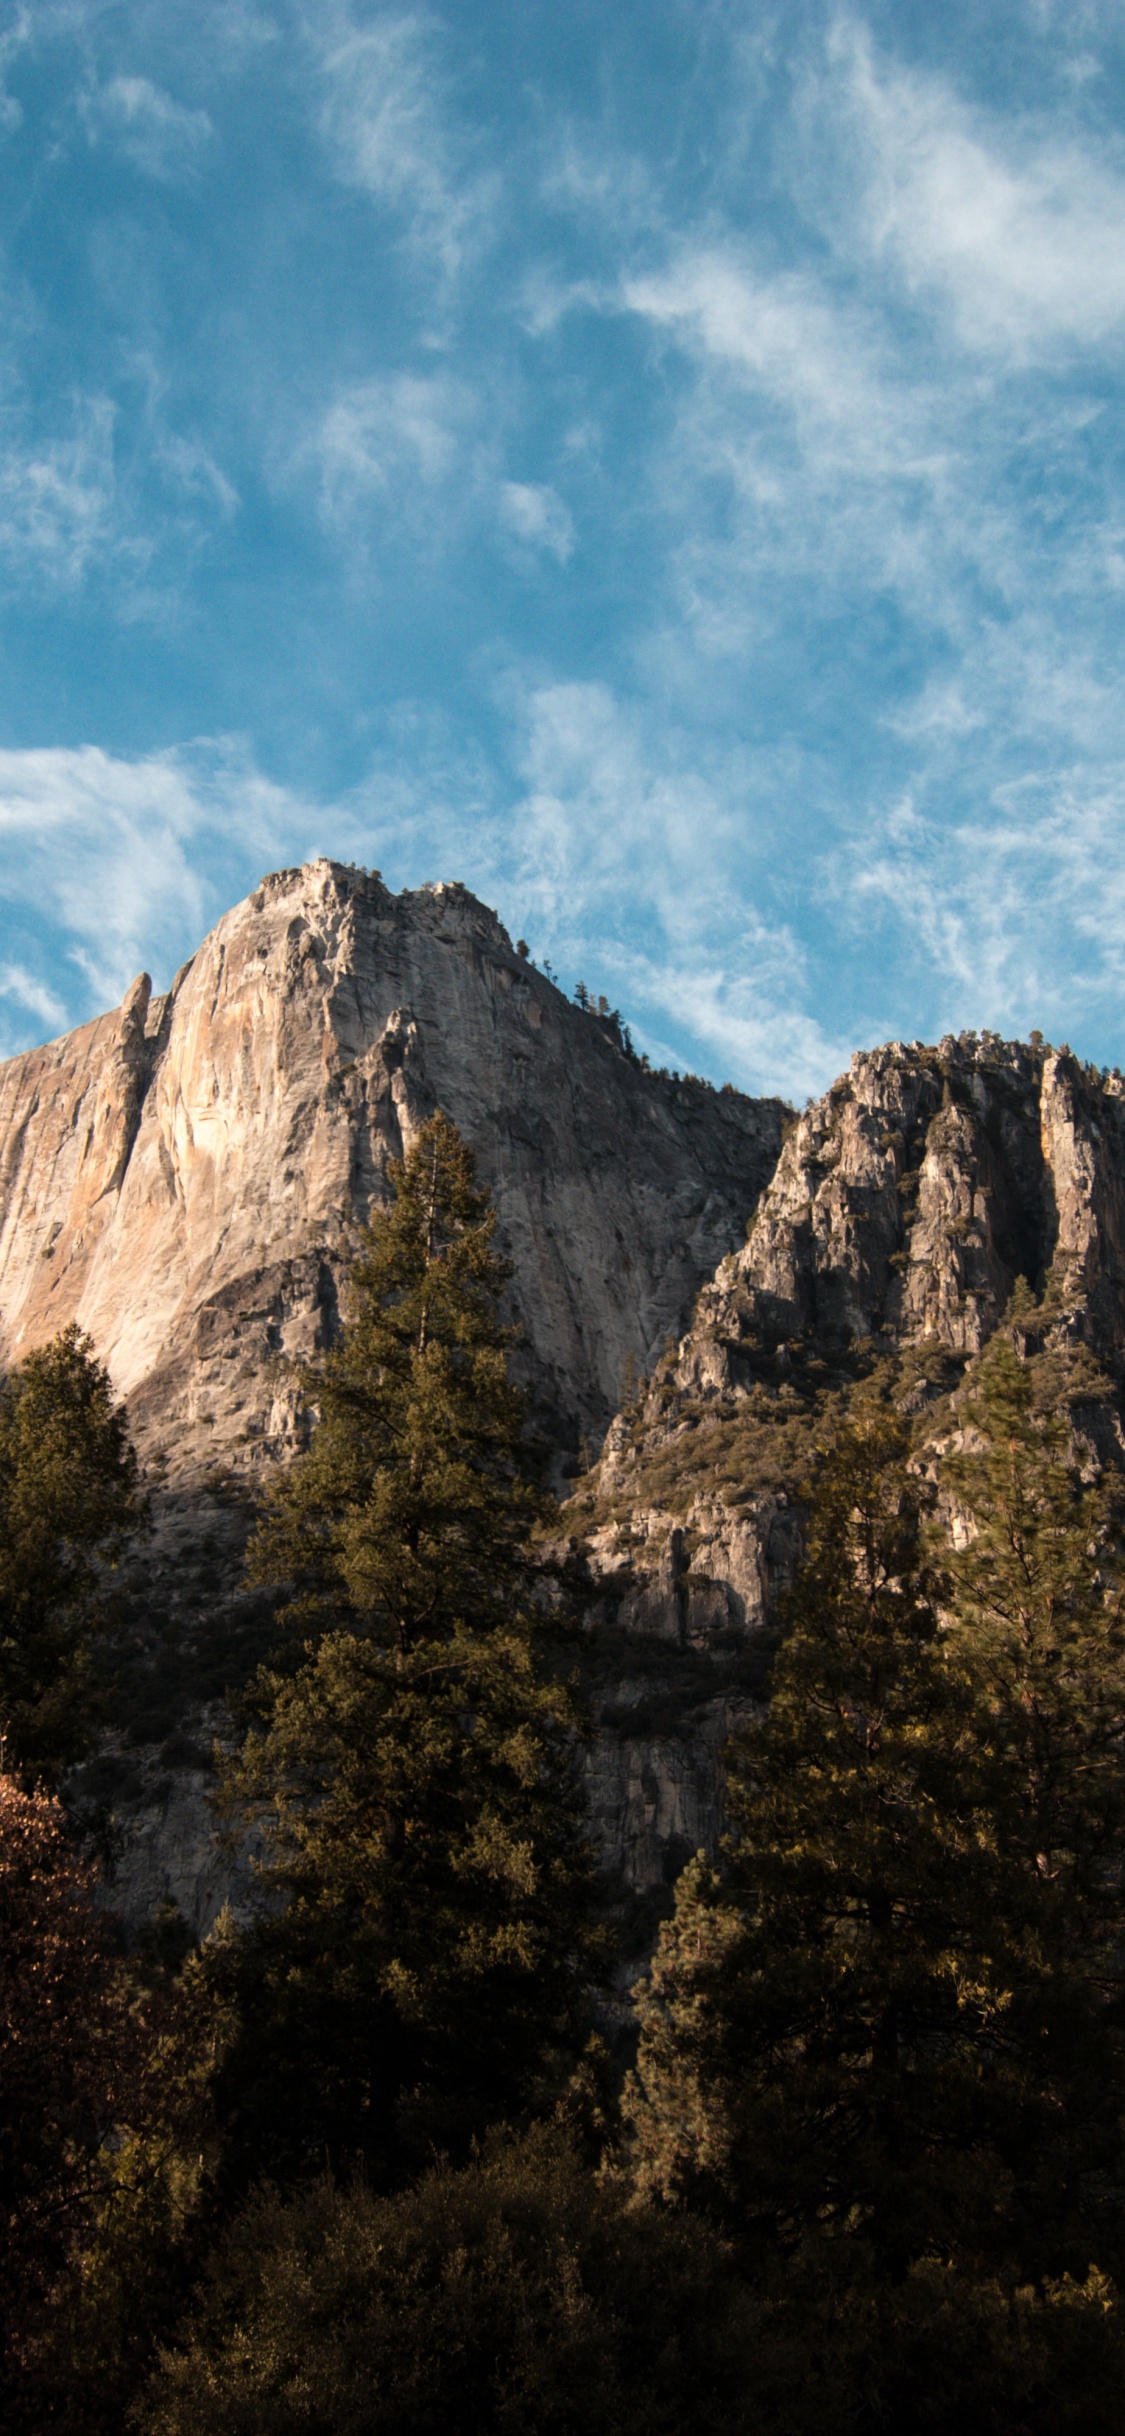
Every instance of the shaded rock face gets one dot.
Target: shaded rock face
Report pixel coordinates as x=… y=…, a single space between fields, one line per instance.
x=185 y=1177
x=904 y=1206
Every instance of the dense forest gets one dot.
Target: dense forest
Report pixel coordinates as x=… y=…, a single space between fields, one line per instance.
x=379 y=2155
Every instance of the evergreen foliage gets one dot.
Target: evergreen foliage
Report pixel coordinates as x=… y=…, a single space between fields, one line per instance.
x=517 y=2293
x=419 y=1964
x=882 y=2039
x=66 y=2060
x=104 y=2139
x=873 y=2176
x=70 y=1500
x=1036 y=1624
x=820 y=1954
x=413 y=1506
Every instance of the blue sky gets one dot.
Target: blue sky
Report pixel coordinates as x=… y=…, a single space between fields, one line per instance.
x=661 y=464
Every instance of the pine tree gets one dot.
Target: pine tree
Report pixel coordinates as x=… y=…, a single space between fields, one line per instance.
x=871 y=2043
x=70 y=1501
x=419 y=1965
x=1037 y=1622
x=1035 y=1631
x=799 y=1975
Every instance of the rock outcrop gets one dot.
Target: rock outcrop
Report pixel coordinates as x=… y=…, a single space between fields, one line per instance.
x=905 y=1205
x=186 y=1178
x=909 y=1199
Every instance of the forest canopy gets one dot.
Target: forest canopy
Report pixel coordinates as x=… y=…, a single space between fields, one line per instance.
x=376 y=2155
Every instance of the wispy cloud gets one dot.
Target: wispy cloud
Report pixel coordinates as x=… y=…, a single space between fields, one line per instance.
x=535 y=514
x=57 y=497
x=1020 y=232
x=806 y=463
x=131 y=860
x=391 y=134
x=376 y=431
x=1018 y=911
x=17 y=983
x=193 y=471
x=746 y=1017
x=415 y=456
x=395 y=465
x=625 y=828
x=157 y=134
x=737 y=409
x=785 y=335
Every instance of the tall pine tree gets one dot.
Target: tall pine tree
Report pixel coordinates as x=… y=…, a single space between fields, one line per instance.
x=70 y=1501
x=874 y=2043
x=1036 y=1623
x=420 y=1964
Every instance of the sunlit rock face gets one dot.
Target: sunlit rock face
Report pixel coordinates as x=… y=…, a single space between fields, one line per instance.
x=186 y=1176
x=904 y=1206
x=908 y=1200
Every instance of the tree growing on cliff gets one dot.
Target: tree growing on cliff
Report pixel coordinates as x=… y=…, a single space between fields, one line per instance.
x=70 y=1500
x=882 y=2042
x=420 y=1963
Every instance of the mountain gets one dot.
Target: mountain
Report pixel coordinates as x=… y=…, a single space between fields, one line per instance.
x=187 y=1177
x=904 y=1206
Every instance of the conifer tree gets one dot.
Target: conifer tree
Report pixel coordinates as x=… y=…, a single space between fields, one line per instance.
x=419 y=1966
x=858 y=2048
x=1035 y=1635
x=70 y=1500
x=797 y=1977
x=1036 y=1622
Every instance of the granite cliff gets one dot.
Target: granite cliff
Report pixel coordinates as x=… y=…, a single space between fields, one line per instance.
x=187 y=1175
x=904 y=1206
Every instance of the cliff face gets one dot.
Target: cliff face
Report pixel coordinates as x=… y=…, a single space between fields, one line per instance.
x=905 y=1205
x=907 y=1202
x=185 y=1176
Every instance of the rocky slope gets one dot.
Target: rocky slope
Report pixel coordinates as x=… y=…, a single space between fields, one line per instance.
x=186 y=1178
x=905 y=1204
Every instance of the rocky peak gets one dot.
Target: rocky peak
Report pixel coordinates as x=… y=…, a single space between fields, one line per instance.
x=908 y=1200
x=186 y=1176
x=905 y=1204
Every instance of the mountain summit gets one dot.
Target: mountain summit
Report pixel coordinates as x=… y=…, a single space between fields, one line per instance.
x=186 y=1176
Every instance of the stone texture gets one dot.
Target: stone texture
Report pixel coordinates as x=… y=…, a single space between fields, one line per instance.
x=905 y=1204
x=185 y=1177
x=170 y=1853
x=909 y=1199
